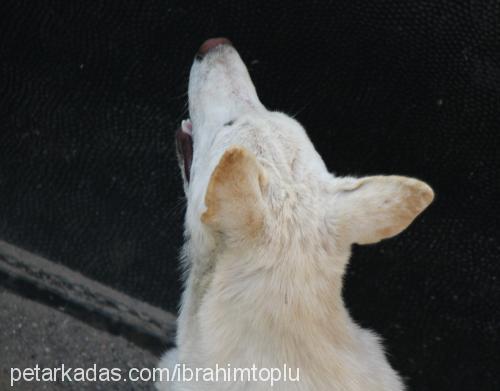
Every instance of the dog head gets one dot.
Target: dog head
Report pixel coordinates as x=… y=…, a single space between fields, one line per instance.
x=252 y=174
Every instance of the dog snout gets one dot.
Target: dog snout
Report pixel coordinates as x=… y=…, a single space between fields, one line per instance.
x=220 y=87
x=210 y=44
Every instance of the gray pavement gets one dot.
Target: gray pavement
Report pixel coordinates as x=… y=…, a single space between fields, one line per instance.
x=32 y=333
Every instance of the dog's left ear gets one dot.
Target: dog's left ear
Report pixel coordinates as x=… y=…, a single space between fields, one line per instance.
x=370 y=209
x=234 y=198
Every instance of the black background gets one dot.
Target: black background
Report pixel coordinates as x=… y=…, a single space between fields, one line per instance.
x=91 y=93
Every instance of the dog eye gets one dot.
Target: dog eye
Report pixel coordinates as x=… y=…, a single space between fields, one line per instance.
x=229 y=123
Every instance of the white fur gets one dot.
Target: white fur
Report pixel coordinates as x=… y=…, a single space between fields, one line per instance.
x=276 y=299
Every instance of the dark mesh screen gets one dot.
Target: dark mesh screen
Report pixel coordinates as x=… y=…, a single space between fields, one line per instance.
x=91 y=92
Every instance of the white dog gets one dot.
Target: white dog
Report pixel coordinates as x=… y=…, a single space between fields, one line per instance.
x=268 y=236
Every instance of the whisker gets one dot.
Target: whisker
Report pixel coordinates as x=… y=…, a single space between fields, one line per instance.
x=300 y=110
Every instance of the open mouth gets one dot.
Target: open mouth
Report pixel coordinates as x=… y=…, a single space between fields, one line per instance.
x=184 y=139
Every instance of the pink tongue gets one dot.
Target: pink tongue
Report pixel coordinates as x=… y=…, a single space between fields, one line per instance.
x=187 y=126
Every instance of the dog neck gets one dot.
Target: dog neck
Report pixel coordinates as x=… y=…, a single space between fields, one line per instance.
x=283 y=293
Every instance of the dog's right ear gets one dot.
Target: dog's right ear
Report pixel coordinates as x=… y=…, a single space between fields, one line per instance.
x=234 y=198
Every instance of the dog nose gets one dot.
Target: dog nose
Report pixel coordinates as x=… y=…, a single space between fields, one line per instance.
x=211 y=43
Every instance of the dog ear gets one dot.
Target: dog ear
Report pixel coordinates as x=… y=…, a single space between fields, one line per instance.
x=370 y=209
x=234 y=197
